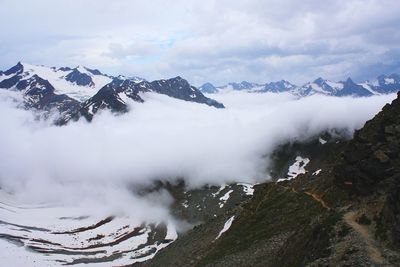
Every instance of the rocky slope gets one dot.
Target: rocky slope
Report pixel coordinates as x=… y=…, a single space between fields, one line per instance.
x=344 y=211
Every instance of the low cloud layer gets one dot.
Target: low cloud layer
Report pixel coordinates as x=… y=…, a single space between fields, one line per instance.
x=95 y=163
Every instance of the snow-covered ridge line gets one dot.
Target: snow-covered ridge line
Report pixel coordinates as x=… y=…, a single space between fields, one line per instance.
x=381 y=85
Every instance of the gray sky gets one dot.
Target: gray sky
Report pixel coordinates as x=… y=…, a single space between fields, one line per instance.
x=218 y=41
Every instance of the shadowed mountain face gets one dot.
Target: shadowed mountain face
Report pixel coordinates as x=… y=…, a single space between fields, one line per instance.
x=79 y=78
x=341 y=210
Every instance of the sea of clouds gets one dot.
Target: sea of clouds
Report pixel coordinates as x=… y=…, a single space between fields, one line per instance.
x=96 y=164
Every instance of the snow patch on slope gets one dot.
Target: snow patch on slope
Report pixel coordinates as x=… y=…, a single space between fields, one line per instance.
x=296 y=168
x=226 y=227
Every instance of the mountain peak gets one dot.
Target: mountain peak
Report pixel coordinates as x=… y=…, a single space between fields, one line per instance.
x=208 y=88
x=319 y=81
x=17 y=69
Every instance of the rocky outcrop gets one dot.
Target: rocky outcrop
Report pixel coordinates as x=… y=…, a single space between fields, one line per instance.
x=370 y=167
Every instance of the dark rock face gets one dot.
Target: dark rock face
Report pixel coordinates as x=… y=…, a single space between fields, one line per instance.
x=371 y=165
x=351 y=88
x=81 y=79
x=180 y=88
x=94 y=71
x=373 y=155
x=10 y=82
x=17 y=69
x=65 y=69
x=39 y=94
x=109 y=98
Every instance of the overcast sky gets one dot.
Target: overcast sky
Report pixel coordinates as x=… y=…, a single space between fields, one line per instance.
x=208 y=40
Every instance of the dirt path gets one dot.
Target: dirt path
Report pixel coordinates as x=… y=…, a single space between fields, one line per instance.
x=316 y=197
x=372 y=249
x=319 y=199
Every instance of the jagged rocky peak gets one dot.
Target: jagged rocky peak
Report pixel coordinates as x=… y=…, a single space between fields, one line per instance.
x=17 y=69
x=115 y=95
x=35 y=83
x=350 y=88
x=181 y=89
x=319 y=81
x=82 y=76
x=279 y=86
x=244 y=85
x=208 y=88
x=79 y=78
x=63 y=68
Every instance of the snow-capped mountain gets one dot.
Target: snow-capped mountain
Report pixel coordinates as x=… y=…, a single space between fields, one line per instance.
x=381 y=85
x=208 y=88
x=326 y=87
x=384 y=84
x=279 y=86
x=38 y=93
x=275 y=87
x=81 y=91
x=114 y=96
x=79 y=83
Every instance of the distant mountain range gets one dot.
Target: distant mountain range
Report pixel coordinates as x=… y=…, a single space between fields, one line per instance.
x=82 y=92
x=381 y=85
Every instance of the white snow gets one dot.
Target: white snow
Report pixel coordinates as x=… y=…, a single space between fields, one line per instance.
x=48 y=234
x=226 y=227
x=4 y=77
x=219 y=190
x=247 y=188
x=224 y=198
x=322 y=141
x=296 y=168
x=62 y=86
x=317 y=88
x=317 y=172
x=185 y=204
x=368 y=86
x=336 y=86
x=389 y=81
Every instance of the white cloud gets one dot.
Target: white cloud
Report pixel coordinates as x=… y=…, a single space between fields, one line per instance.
x=165 y=138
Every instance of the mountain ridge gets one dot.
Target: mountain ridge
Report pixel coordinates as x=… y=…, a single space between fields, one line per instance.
x=81 y=92
x=383 y=84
